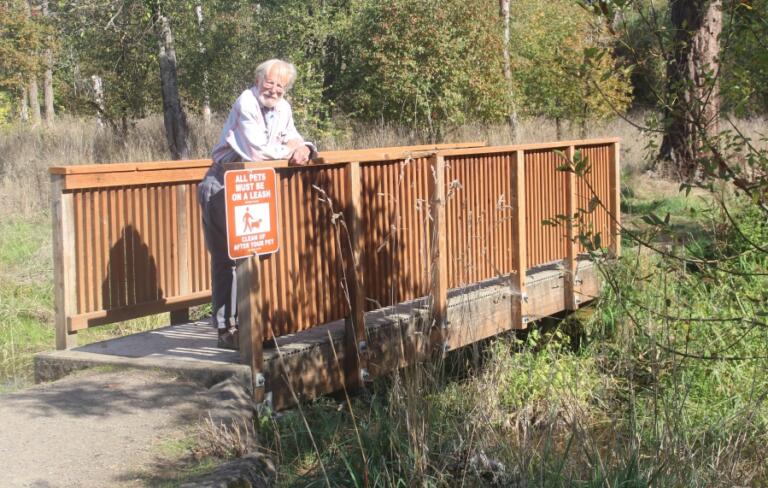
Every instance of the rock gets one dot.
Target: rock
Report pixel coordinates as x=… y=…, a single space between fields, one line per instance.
x=254 y=470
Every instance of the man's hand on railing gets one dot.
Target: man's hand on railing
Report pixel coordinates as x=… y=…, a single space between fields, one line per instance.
x=300 y=154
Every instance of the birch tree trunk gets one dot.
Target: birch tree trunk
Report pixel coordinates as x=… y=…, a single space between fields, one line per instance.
x=24 y=105
x=512 y=117
x=98 y=99
x=174 y=118
x=201 y=50
x=691 y=114
x=48 y=75
x=34 y=100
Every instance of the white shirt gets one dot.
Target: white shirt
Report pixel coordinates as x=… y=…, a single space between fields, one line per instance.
x=255 y=133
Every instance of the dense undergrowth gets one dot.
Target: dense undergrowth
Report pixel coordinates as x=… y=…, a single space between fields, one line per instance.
x=661 y=382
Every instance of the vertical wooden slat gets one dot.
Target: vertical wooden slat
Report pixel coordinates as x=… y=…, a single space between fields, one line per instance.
x=406 y=224
x=103 y=220
x=183 y=250
x=300 y=283
x=153 y=242
x=144 y=251
x=129 y=236
x=614 y=178
x=82 y=251
x=120 y=247
x=570 y=258
x=92 y=288
x=329 y=250
x=519 y=238
x=439 y=286
x=250 y=317
x=64 y=261
x=112 y=251
x=172 y=239
x=355 y=349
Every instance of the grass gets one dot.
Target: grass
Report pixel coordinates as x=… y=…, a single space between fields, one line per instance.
x=647 y=388
x=26 y=301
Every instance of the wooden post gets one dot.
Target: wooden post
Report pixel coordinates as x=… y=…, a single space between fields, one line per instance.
x=615 y=200
x=249 y=316
x=439 y=265
x=519 y=242
x=355 y=338
x=64 y=262
x=570 y=256
x=181 y=316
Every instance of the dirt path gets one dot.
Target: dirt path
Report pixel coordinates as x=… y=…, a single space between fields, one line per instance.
x=96 y=429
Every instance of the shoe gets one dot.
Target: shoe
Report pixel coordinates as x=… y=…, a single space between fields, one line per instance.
x=228 y=339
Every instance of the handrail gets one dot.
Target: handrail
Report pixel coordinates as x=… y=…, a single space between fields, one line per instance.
x=370 y=154
x=128 y=239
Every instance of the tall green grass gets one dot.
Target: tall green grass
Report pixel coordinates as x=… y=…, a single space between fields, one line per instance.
x=645 y=388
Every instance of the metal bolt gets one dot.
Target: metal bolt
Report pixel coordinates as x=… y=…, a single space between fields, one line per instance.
x=259 y=381
x=365 y=375
x=362 y=346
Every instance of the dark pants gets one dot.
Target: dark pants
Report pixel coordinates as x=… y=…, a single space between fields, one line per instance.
x=210 y=196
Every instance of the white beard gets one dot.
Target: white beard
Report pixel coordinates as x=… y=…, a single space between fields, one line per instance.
x=268 y=102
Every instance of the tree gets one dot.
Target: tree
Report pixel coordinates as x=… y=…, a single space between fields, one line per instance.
x=512 y=118
x=123 y=64
x=48 y=75
x=21 y=39
x=174 y=118
x=564 y=68
x=425 y=64
x=691 y=110
x=201 y=50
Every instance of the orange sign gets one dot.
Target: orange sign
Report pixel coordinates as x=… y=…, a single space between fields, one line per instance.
x=251 y=203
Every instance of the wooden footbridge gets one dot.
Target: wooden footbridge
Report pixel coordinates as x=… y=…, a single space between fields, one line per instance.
x=386 y=255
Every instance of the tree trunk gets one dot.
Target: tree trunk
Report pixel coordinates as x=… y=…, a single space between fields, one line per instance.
x=201 y=50
x=512 y=117
x=558 y=129
x=48 y=76
x=173 y=114
x=34 y=100
x=692 y=109
x=98 y=99
x=24 y=105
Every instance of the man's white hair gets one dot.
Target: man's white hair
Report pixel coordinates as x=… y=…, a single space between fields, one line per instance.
x=284 y=66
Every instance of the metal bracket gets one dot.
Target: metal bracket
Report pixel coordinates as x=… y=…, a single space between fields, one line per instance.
x=259 y=381
x=525 y=319
x=365 y=375
x=362 y=346
x=266 y=405
x=524 y=297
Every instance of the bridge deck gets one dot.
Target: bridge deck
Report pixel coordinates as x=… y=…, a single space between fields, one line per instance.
x=474 y=313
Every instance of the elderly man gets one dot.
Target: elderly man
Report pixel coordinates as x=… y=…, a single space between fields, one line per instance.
x=259 y=127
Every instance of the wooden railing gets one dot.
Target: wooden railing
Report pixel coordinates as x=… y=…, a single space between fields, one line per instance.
x=420 y=220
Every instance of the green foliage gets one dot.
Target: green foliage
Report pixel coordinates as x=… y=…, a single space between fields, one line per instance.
x=125 y=59
x=309 y=34
x=745 y=58
x=22 y=39
x=563 y=64
x=426 y=64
